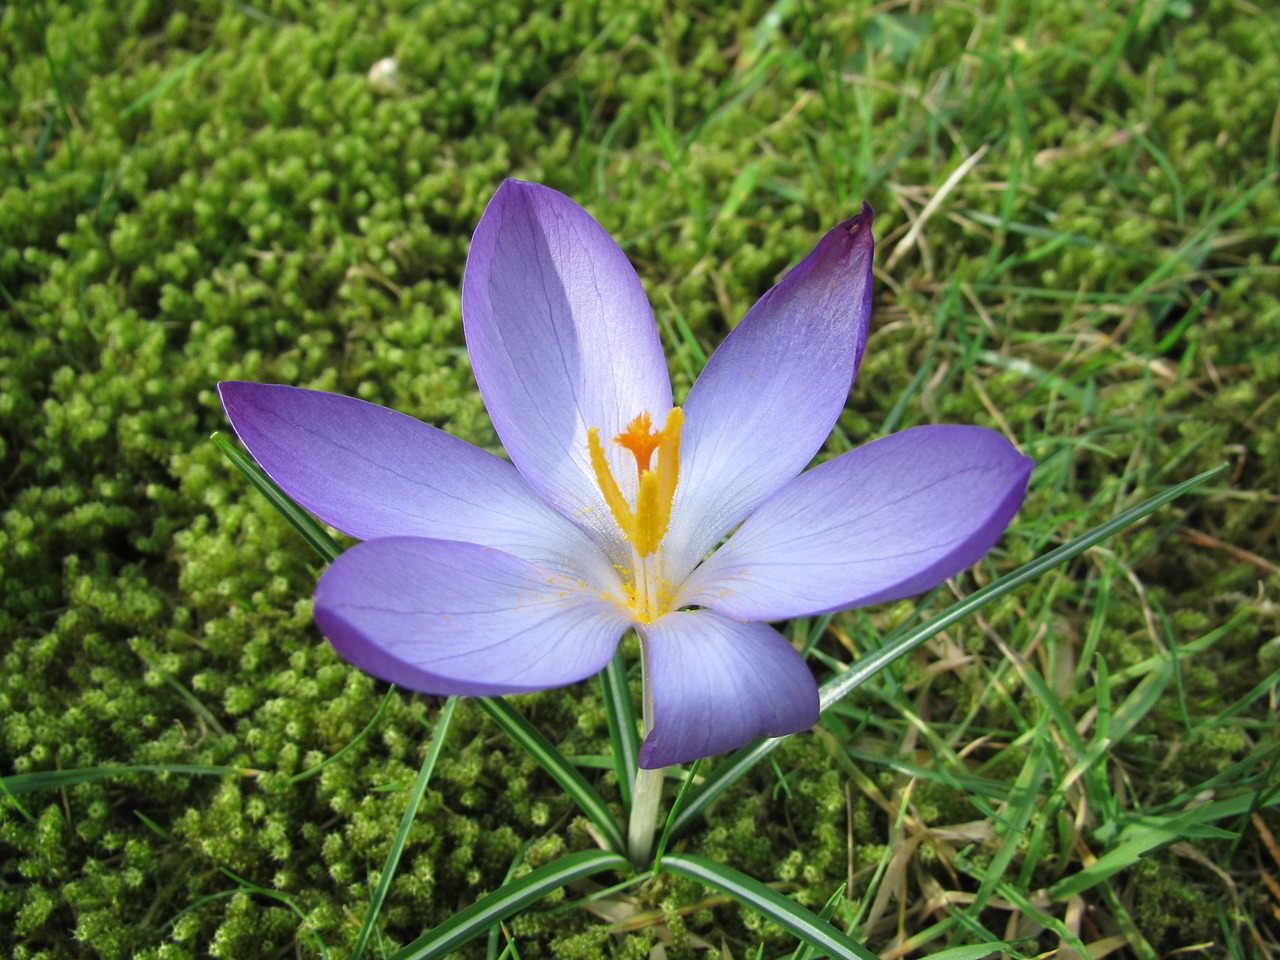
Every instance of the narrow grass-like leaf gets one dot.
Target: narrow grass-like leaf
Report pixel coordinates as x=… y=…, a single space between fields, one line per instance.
x=248 y=886
x=924 y=367
x=868 y=666
x=510 y=950
x=1170 y=339
x=1026 y=907
x=306 y=525
x=867 y=901
x=972 y=951
x=766 y=901
x=491 y=948
x=1024 y=798
x=620 y=713
x=312 y=771
x=806 y=951
x=402 y=834
x=167 y=83
x=511 y=897
x=251 y=887
x=1141 y=701
x=671 y=816
x=720 y=779
x=1123 y=919
x=154 y=827
x=36 y=12
x=743 y=184
x=21 y=783
x=201 y=711
x=554 y=762
x=598 y=893
x=1136 y=842
x=193 y=907
x=16 y=803
x=766 y=30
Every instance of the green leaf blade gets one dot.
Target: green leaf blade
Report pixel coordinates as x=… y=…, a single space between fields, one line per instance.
x=307 y=526
x=620 y=713
x=402 y=834
x=560 y=769
x=20 y=783
x=783 y=911
x=470 y=923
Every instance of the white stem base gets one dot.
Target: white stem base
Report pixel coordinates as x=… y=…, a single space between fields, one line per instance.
x=645 y=798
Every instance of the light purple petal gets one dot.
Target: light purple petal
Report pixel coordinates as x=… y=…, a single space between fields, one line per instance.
x=887 y=520
x=562 y=339
x=373 y=472
x=719 y=683
x=445 y=617
x=771 y=393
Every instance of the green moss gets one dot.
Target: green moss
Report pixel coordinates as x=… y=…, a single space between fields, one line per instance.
x=1168 y=906
x=208 y=192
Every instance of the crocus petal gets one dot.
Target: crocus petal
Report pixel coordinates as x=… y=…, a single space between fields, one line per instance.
x=771 y=393
x=887 y=520
x=562 y=339
x=373 y=472
x=444 y=617
x=719 y=683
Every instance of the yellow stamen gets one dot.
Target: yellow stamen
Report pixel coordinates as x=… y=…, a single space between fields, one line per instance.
x=646 y=525
x=609 y=486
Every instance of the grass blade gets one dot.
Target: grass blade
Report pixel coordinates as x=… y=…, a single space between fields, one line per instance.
x=248 y=886
x=14 y=801
x=495 y=932
x=312 y=771
x=508 y=899
x=783 y=911
x=671 y=816
x=554 y=762
x=402 y=834
x=868 y=666
x=972 y=951
x=306 y=525
x=21 y=783
x=806 y=951
x=621 y=714
x=167 y=83
x=1143 y=836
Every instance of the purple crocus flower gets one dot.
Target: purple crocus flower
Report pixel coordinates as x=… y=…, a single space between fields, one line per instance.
x=693 y=526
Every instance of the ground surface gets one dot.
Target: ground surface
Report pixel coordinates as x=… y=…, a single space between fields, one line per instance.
x=1079 y=226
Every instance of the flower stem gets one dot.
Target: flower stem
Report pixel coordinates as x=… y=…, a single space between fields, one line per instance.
x=645 y=797
x=646 y=793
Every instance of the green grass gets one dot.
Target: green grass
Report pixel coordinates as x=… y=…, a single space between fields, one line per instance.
x=1078 y=215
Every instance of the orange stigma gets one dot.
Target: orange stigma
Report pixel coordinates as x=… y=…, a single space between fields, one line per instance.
x=641 y=439
x=646 y=524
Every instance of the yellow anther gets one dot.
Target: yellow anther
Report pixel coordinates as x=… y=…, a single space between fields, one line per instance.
x=646 y=525
x=669 y=460
x=651 y=519
x=608 y=486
